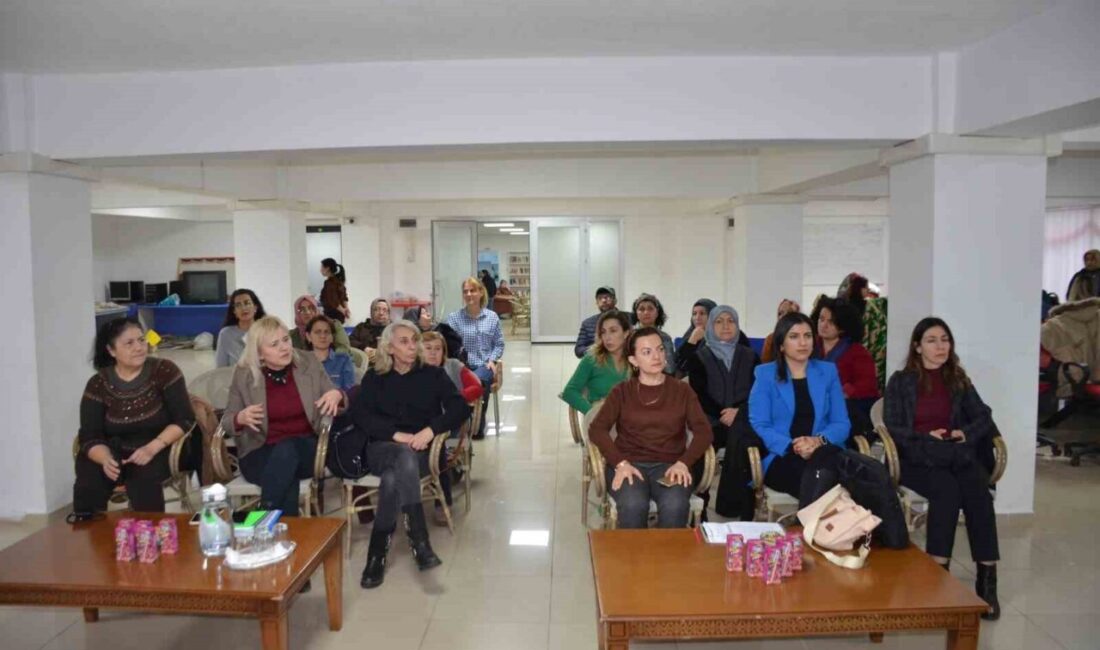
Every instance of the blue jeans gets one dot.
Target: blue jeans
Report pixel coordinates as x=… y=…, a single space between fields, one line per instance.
x=632 y=501
x=486 y=376
x=278 y=468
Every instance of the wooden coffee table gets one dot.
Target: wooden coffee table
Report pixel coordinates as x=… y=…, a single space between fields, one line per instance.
x=74 y=566
x=665 y=584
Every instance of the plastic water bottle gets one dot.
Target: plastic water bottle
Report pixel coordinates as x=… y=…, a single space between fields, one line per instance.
x=215 y=530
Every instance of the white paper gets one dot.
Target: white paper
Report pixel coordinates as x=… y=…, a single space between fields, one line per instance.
x=716 y=533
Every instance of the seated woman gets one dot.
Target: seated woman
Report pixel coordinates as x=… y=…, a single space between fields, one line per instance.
x=338 y=365
x=402 y=406
x=365 y=335
x=468 y=385
x=647 y=311
x=602 y=367
x=420 y=315
x=696 y=332
x=720 y=371
x=482 y=339
x=839 y=331
x=133 y=409
x=797 y=408
x=651 y=412
x=277 y=398
x=244 y=309
x=940 y=423
x=305 y=309
x=786 y=306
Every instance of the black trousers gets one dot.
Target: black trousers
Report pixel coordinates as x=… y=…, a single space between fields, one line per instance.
x=144 y=483
x=400 y=468
x=804 y=479
x=949 y=489
x=278 y=468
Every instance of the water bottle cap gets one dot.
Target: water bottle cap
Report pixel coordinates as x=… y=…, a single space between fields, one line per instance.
x=215 y=492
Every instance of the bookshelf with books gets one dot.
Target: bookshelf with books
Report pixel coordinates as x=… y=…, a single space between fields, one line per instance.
x=519 y=273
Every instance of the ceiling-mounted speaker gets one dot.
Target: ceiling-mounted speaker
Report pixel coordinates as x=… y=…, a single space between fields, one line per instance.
x=406 y=223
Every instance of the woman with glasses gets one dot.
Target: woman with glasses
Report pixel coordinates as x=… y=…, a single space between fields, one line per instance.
x=244 y=309
x=305 y=309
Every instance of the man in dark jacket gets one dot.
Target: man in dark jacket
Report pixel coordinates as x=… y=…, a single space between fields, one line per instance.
x=605 y=300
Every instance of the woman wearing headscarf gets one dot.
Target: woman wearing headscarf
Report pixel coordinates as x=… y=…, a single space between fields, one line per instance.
x=305 y=309
x=720 y=370
x=696 y=332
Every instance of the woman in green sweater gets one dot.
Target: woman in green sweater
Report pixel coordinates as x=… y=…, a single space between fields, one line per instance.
x=603 y=366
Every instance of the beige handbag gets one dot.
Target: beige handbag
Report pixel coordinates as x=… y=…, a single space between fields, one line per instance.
x=835 y=523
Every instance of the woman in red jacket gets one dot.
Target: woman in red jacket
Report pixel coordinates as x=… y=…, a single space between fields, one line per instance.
x=839 y=332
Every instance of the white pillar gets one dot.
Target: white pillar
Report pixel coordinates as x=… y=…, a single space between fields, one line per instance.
x=269 y=244
x=966 y=244
x=767 y=259
x=359 y=244
x=46 y=281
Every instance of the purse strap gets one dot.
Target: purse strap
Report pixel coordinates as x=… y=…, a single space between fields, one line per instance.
x=846 y=561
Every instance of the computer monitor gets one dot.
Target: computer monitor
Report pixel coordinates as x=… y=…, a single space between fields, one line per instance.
x=203 y=287
x=137 y=291
x=118 y=291
x=155 y=292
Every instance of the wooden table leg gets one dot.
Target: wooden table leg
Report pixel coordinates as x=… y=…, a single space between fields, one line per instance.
x=876 y=637
x=334 y=587
x=965 y=637
x=91 y=614
x=275 y=632
x=614 y=636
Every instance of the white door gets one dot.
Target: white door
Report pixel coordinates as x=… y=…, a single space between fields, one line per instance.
x=570 y=259
x=454 y=258
x=321 y=242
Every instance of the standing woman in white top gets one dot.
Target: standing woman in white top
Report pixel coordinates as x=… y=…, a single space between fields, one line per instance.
x=244 y=309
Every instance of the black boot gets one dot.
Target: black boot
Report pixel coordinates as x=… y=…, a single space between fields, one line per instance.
x=417 y=529
x=986 y=586
x=375 y=571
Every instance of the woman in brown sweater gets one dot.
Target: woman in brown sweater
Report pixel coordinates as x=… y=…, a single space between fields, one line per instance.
x=133 y=409
x=651 y=457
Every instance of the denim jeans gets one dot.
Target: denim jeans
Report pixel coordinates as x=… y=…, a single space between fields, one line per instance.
x=278 y=468
x=486 y=377
x=632 y=501
x=400 y=468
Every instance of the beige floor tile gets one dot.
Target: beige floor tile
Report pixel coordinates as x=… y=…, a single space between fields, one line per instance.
x=572 y=599
x=573 y=635
x=1073 y=631
x=29 y=628
x=496 y=599
x=473 y=634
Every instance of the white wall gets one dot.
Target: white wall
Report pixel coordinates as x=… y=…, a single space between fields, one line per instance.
x=362 y=264
x=839 y=237
x=136 y=248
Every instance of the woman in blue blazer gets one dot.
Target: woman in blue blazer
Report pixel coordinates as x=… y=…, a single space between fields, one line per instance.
x=797 y=408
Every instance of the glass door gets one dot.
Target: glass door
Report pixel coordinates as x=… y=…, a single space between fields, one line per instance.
x=454 y=258
x=570 y=259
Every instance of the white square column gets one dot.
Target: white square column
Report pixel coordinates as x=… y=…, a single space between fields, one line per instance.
x=766 y=259
x=269 y=244
x=46 y=261
x=966 y=245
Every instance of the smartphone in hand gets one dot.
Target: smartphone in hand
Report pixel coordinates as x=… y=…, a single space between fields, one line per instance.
x=665 y=482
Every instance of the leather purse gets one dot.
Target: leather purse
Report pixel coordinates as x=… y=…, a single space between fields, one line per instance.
x=834 y=523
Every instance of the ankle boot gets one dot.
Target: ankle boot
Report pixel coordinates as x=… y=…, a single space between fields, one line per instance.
x=986 y=586
x=375 y=571
x=417 y=530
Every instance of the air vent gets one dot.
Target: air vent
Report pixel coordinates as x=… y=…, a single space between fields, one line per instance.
x=406 y=223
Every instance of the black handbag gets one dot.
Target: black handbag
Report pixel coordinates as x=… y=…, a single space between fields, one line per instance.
x=347 y=452
x=869 y=483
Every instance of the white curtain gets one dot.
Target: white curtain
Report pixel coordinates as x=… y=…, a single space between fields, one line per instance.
x=1068 y=234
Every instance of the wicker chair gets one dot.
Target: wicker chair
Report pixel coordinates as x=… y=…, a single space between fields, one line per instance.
x=213 y=386
x=611 y=515
x=175 y=485
x=431 y=488
x=227 y=471
x=494 y=389
x=914 y=505
x=581 y=436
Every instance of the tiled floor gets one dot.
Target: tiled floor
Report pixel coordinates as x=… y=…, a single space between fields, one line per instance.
x=490 y=594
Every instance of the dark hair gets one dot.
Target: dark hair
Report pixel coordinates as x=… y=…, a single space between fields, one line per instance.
x=854 y=295
x=309 y=328
x=845 y=317
x=337 y=270
x=231 y=316
x=106 y=336
x=597 y=349
x=652 y=299
x=632 y=343
x=953 y=374
x=779 y=335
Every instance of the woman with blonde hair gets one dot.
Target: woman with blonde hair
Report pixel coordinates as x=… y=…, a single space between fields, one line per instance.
x=402 y=406
x=482 y=338
x=277 y=399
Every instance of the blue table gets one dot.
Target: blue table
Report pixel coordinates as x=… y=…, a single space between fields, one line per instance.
x=184 y=320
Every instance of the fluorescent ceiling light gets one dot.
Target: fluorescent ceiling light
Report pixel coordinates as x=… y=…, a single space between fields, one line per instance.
x=529 y=538
x=498 y=225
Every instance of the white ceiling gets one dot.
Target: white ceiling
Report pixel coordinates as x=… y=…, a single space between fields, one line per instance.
x=116 y=35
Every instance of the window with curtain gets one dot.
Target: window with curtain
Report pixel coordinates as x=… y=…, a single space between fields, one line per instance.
x=1067 y=235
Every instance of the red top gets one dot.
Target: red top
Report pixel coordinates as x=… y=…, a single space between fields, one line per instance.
x=285 y=416
x=471 y=386
x=858 y=376
x=933 y=410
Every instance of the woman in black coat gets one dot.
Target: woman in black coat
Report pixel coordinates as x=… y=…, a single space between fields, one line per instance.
x=941 y=427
